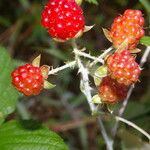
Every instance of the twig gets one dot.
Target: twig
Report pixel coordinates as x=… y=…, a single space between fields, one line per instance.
x=68 y=65
x=125 y=102
x=101 y=56
x=109 y=142
x=80 y=53
x=133 y=125
x=86 y=89
x=122 y=109
x=145 y=56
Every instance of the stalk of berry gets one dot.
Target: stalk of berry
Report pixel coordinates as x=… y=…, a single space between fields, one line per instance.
x=123 y=67
x=30 y=79
x=63 y=19
x=127 y=28
x=110 y=91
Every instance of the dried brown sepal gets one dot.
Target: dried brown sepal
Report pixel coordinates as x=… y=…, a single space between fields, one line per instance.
x=45 y=69
x=88 y=28
x=136 y=50
x=36 y=61
x=107 y=34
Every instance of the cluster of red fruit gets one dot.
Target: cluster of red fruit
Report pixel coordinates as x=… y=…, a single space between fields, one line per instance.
x=122 y=67
x=64 y=20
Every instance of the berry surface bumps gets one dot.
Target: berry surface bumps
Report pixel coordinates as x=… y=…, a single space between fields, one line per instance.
x=129 y=27
x=63 y=19
x=111 y=91
x=123 y=67
x=28 y=79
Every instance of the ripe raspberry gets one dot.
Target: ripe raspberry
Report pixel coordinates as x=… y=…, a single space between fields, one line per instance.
x=111 y=91
x=28 y=79
x=63 y=19
x=128 y=26
x=123 y=68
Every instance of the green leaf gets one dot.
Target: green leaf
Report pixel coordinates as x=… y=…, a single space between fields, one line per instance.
x=48 y=85
x=99 y=74
x=93 y=1
x=8 y=95
x=14 y=137
x=145 y=40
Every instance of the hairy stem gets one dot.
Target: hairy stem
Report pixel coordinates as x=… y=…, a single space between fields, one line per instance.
x=80 y=53
x=86 y=89
x=68 y=65
x=101 y=56
x=133 y=125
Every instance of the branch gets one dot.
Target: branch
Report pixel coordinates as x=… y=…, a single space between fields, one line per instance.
x=122 y=109
x=133 y=125
x=101 y=56
x=86 y=89
x=80 y=53
x=68 y=65
x=125 y=102
x=109 y=142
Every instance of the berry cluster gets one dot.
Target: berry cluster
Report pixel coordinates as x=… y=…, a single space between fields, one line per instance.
x=28 y=79
x=128 y=26
x=122 y=68
x=111 y=91
x=63 y=18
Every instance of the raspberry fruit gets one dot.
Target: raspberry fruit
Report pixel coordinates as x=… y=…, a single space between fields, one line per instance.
x=128 y=26
x=63 y=19
x=28 y=79
x=111 y=91
x=123 y=68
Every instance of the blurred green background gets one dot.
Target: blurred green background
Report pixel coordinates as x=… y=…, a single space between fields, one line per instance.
x=64 y=109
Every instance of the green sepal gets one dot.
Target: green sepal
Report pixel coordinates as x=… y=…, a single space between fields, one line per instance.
x=48 y=85
x=96 y=99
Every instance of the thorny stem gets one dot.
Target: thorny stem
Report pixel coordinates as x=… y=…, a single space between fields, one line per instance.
x=101 y=56
x=73 y=63
x=86 y=89
x=68 y=65
x=133 y=125
x=122 y=109
x=125 y=102
x=80 y=53
x=108 y=141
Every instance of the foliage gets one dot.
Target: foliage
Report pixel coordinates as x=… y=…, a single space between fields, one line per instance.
x=14 y=136
x=8 y=95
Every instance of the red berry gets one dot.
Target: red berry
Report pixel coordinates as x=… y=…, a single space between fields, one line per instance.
x=128 y=26
x=111 y=91
x=63 y=19
x=123 y=68
x=28 y=79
